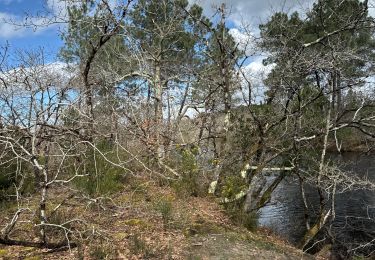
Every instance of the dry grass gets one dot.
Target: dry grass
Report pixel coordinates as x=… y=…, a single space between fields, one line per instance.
x=134 y=225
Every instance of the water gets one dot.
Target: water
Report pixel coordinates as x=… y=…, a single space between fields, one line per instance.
x=355 y=210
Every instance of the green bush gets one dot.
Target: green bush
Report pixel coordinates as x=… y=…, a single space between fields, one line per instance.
x=103 y=177
x=6 y=180
x=165 y=207
x=106 y=181
x=190 y=182
x=233 y=185
x=240 y=217
x=10 y=178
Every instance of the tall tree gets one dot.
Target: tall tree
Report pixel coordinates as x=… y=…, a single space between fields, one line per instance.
x=93 y=26
x=329 y=52
x=168 y=41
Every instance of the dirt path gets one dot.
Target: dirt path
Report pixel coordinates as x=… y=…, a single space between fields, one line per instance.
x=227 y=246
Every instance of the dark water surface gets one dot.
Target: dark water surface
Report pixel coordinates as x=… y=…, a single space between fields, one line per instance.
x=355 y=210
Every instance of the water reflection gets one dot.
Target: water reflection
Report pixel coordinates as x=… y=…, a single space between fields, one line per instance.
x=355 y=210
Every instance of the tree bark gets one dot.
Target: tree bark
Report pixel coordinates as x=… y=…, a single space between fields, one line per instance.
x=158 y=106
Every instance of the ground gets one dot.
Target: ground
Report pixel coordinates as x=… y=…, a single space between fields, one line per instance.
x=149 y=221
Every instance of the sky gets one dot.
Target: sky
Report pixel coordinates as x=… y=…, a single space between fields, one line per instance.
x=12 y=15
x=253 y=12
x=241 y=12
x=250 y=11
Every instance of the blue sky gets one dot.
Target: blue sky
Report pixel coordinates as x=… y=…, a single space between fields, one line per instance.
x=16 y=9
x=241 y=12
x=22 y=38
x=47 y=38
x=250 y=12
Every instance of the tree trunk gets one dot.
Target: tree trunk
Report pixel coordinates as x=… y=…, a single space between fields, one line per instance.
x=42 y=177
x=158 y=127
x=323 y=213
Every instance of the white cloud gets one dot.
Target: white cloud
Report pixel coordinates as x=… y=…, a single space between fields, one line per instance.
x=58 y=7
x=371 y=7
x=255 y=72
x=253 y=12
x=256 y=67
x=58 y=73
x=8 y=30
x=11 y=25
x=245 y=40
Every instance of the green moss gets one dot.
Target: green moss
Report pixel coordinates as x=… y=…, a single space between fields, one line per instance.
x=136 y=222
x=121 y=235
x=133 y=222
x=202 y=228
x=32 y=258
x=3 y=252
